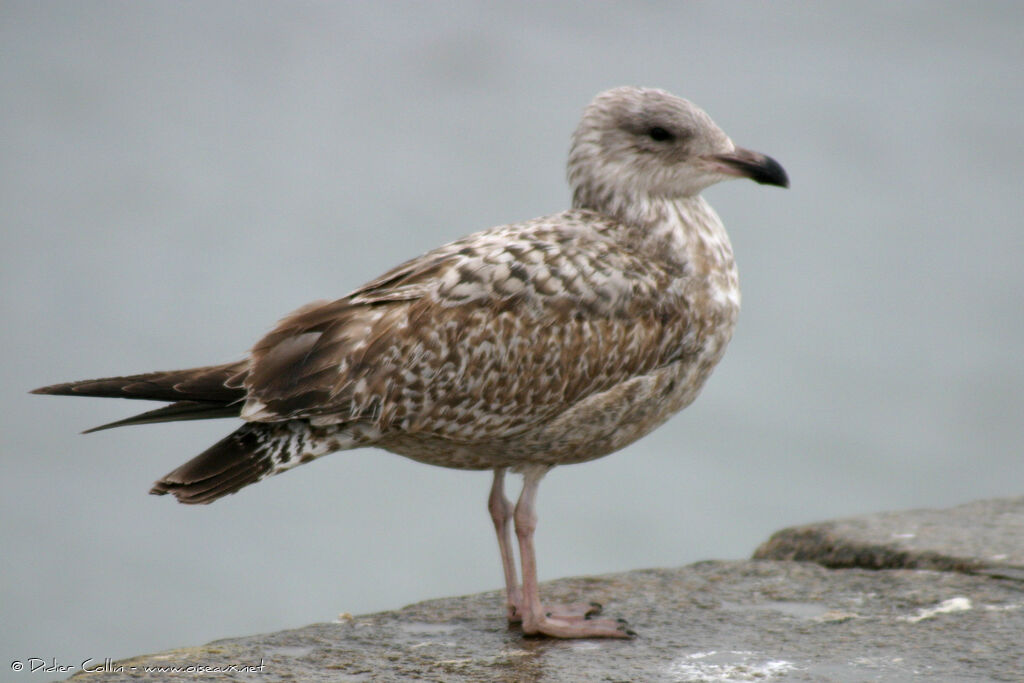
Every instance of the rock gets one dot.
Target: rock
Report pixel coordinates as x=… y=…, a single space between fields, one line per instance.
x=711 y=621
x=984 y=537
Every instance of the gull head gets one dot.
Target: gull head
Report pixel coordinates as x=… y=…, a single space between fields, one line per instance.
x=638 y=143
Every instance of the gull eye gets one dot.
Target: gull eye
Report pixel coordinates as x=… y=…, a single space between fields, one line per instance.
x=659 y=134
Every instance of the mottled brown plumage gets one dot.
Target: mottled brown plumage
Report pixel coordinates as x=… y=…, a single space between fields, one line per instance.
x=553 y=341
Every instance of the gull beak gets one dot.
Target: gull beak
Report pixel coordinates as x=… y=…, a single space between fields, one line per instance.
x=744 y=163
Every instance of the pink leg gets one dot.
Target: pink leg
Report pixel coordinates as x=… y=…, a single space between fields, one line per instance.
x=501 y=513
x=538 y=619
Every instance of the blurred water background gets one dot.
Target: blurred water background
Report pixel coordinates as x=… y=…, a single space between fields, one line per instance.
x=175 y=176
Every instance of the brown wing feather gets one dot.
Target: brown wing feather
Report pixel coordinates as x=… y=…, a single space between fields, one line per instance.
x=479 y=373
x=295 y=368
x=442 y=343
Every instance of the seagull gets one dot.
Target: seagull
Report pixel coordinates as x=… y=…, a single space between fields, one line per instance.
x=547 y=342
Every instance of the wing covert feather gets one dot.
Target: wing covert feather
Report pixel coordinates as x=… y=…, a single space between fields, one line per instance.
x=480 y=338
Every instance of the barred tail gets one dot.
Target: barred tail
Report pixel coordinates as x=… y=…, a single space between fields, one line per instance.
x=253 y=452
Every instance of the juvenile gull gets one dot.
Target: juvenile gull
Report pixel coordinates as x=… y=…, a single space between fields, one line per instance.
x=548 y=342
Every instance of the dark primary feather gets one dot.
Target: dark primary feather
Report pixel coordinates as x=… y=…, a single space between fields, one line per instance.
x=175 y=412
x=197 y=393
x=210 y=383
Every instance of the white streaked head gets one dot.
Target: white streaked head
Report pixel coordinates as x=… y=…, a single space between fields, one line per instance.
x=638 y=143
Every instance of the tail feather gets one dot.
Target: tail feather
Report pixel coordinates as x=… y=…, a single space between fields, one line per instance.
x=230 y=481
x=211 y=383
x=253 y=452
x=237 y=460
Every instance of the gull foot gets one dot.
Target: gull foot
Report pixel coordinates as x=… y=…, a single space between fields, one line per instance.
x=576 y=626
x=568 y=612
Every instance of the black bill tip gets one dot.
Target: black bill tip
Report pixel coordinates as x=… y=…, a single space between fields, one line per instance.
x=760 y=168
x=769 y=172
